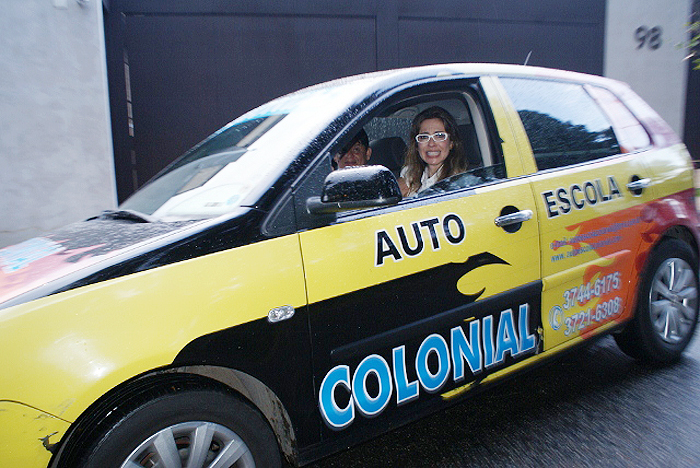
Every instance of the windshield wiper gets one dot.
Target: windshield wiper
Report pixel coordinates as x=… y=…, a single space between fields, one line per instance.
x=127 y=215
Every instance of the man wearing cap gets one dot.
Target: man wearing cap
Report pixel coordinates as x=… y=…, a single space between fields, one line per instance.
x=355 y=153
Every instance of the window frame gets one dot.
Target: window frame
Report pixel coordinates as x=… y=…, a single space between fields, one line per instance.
x=582 y=85
x=476 y=105
x=616 y=124
x=424 y=90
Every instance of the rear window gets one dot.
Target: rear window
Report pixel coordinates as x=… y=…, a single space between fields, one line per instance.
x=629 y=131
x=564 y=124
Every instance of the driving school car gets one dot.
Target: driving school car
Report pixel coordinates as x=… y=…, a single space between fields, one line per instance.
x=251 y=305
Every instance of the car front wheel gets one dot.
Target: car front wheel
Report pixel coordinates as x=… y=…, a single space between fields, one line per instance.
x=174 y=428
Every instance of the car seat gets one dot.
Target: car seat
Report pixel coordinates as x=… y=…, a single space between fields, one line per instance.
x=471 y=146
x=388 y=152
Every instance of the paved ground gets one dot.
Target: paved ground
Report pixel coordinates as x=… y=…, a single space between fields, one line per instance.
x=594 y=408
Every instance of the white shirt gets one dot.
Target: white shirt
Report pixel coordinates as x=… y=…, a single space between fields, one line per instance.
x=425 y=180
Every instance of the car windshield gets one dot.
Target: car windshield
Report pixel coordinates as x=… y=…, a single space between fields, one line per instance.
x=235 y=166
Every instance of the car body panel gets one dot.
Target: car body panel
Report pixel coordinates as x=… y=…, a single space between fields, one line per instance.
x=591 y=224
x=607 y=226
x=71 y=252
x=27 y=435
x=85 y=341
x=387 y=313
x=670 y=170
x=510 y=128
x=430 y=259
x=390 y=248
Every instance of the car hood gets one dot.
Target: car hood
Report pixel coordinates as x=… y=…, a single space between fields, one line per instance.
x=46 y=264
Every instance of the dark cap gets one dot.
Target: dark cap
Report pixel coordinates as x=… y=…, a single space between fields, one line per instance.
x=361 y=136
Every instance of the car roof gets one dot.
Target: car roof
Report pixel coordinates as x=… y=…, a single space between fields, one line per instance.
x=396 y=77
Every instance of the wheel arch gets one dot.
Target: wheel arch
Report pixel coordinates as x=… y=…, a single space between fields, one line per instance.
x=679 y=232
x=256 y=393
x=682 y=233
x=638 y=338
x=247 y=388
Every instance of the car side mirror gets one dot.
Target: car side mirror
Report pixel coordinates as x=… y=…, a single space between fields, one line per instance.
x=354 y=188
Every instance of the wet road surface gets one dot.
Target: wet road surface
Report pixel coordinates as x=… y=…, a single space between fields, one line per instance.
x=593 y=408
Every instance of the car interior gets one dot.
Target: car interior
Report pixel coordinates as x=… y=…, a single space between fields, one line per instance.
x=389 y=133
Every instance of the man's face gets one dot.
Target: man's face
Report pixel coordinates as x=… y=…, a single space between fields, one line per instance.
x=357 y=155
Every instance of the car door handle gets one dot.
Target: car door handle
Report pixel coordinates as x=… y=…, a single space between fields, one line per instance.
x=513 y=218
x=639 y=184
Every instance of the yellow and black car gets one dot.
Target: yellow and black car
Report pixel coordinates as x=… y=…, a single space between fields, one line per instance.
x=251 y=305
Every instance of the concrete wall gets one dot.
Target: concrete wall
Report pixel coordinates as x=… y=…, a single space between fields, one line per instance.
x=656 y=71
x=56 y=161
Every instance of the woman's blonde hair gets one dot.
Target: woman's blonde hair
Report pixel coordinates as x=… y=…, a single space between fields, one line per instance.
x=456 y=161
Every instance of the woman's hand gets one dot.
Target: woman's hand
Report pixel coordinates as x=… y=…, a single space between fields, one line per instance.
x=403 y=186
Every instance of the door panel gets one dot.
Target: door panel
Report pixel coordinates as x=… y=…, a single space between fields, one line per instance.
x=592 y=221
x=592 y=225
x=394 y=298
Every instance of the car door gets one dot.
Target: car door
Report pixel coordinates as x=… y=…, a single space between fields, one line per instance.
x=591 y=194
x=411 y=305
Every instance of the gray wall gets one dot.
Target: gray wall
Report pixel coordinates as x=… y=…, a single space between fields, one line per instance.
x=56 y=161
x=642 y=40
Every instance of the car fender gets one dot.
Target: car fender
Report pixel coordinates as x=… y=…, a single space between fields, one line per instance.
x=89 y=340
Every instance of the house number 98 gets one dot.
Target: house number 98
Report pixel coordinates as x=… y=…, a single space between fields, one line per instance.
x=650 y=37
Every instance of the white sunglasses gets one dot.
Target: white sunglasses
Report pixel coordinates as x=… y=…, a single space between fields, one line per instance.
x=437 y=137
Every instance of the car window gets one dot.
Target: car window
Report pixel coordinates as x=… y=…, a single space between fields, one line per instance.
x=388 y=129
x=389 y=135
x=629 y=131
x=236 y=165
x=470 y=178
x=564 y=124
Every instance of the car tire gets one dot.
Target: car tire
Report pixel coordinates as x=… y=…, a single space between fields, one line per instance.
x=175 y=426
x=667 y=306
